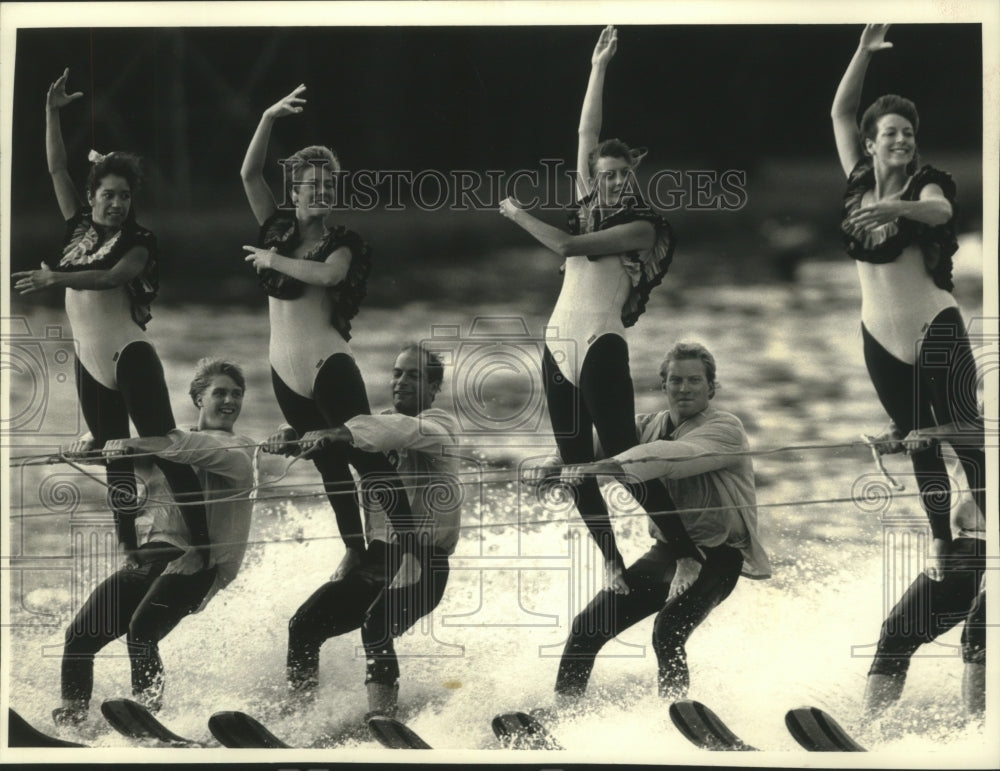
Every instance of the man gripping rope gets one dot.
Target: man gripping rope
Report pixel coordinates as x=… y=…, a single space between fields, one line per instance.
x=167 y=577
x=391 y=590
x=713 y=495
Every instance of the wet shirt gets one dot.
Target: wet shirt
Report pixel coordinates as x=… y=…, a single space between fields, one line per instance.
x=224 y=465
x=715 y=492
x=418 y=447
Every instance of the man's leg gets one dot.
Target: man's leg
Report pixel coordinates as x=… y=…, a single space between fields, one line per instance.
x=926 y=610
x=170 y=598
x=679 y=617
x=392 y=613
x=608 y=615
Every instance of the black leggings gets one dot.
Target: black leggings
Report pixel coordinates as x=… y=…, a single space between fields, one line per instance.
x=929 y=608
x=604 y=400
x=338 y=395
x=363 y=599
x=142 y=396
x=138 y=602
x=938 y=389
x=609 y=614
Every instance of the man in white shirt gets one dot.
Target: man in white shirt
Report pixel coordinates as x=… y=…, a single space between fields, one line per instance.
x=168 y=576
x=391 y=589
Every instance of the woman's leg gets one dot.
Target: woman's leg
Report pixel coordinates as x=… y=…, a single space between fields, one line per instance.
x=606 y=388
x=303 y=415
x=896 y=385
x=335 y=608
x=340 y=395
x=573 y=428
x=106 y=416
x=609 y=614
x=142 y=385
x=948 y=378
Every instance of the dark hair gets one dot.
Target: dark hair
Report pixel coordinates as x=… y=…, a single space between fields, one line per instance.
x=125 y=165
x=433 y=364
x=682 y=351
x=208 y=368
x=615 y=148
x=890 y=104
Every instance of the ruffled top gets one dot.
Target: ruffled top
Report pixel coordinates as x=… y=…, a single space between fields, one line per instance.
x=281 y=232
x=83 y=249
x=646 y=268
x=884 y=244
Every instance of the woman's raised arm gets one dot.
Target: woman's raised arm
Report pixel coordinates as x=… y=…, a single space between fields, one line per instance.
x=844 y=112
x=252 y=173
x=55 y=149
x=589 y=132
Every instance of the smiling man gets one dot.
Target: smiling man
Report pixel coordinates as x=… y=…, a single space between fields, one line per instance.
x=167 y=577
x=698 y=452
x=391 y=589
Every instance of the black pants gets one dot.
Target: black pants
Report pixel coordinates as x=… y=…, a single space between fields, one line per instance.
x=339 y=394
x=609 y=614
x=363 y=600
x=142 y=396
x=929 y=608
x=604 y=400
x=939 y=389
x=137 y=602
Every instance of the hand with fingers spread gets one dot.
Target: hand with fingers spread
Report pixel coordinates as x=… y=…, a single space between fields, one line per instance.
x=287 y=105
x=56 y=98
x=31 y=281
x=873 y=38
x=261 y=259
x=606 y=46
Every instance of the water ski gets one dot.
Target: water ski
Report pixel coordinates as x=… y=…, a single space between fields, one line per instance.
x=816 y=731
x=704 y=728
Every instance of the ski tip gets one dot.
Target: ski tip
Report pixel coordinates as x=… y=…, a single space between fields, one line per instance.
x=236 y=729
x=703 y=728
x=816 y=731
x=21 y=733
x=395 y=735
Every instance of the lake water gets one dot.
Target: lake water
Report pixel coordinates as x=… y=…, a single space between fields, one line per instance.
x=791 y=368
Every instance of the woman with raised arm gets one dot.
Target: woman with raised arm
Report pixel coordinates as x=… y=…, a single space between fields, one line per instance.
x=316 y=278
x=109 y=271
x=898 y=224
x=617 y=250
